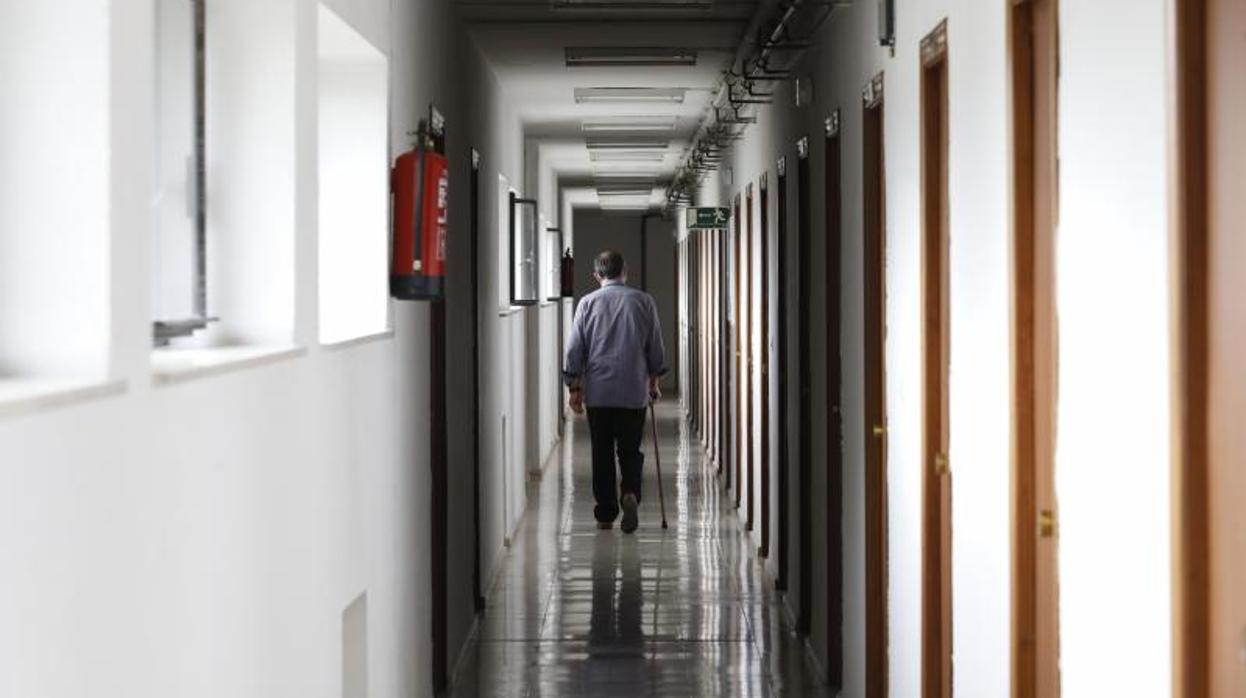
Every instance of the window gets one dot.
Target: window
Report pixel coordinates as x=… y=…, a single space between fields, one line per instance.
x=54 y=188
x=353 y=168
x=227 y=173
x=179 y=243
x=504 y=242
x=525 y=279
x=553 y=264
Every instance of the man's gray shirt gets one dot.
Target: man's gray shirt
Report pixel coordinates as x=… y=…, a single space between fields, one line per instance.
x=615 y=346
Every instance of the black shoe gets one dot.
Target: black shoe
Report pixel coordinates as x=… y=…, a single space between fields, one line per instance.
x=629 y=512
x=605 y=525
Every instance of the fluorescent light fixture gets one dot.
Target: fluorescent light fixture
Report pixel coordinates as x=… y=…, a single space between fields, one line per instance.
x=626 y=124
x=626 y=143
x=626 y=156
x=650 y=56
x=630 y=95
x=624 y=190
x=632 y=4
x=622 y=173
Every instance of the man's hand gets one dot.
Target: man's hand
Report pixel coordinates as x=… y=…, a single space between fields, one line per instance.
x=655 y=392
x=576 y=401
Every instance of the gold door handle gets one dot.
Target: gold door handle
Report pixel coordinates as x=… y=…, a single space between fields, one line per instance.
x=941 y=465
x=880 y=430
x=1046 y=523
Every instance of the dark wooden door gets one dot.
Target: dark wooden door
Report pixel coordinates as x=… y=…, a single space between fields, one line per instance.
x=835 y=426
x=767 y=337
x=804 y=363
x=734 y=420
x=473 y=263
x=875 y=309
x=745 y=488
x=780 y=351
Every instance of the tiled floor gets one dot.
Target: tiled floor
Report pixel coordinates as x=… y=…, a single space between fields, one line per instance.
x=681 y=612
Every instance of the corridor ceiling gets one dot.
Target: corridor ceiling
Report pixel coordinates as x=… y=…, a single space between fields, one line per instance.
x=662 y=60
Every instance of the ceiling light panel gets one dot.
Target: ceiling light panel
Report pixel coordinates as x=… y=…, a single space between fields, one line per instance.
x=629 y=124
x=632 y=4
x=626 y=156
x=650 y=56
x=629 y=95
x=626 y=143
x=624 y=174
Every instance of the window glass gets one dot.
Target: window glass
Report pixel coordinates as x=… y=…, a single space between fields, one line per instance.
x=178 y=294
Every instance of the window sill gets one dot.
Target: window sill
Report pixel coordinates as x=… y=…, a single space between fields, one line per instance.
x=178 y=365
x=356 y=341
x=25 y=395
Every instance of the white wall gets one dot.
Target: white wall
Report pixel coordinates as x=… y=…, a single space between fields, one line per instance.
x=203 y=536
x=1112 y=460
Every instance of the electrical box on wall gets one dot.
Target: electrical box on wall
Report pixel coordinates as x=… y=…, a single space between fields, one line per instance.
x=887 y=22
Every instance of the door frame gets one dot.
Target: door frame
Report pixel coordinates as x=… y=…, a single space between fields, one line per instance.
x=875 y=322
x=936 y=342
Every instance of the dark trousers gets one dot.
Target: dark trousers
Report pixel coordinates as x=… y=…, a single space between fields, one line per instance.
x=615 y=430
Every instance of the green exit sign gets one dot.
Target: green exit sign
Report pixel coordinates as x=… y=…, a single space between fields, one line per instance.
x=702 y=217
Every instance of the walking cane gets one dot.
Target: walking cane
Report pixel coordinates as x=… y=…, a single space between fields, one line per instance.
x=657 y=459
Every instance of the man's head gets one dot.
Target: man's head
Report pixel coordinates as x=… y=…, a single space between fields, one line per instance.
x=609 y=266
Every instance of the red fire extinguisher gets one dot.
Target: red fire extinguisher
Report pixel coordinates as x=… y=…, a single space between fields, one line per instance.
x=568 y=275
x=419 y=185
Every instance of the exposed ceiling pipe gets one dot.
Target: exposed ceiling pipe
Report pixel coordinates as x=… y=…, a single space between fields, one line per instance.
x=766 y=37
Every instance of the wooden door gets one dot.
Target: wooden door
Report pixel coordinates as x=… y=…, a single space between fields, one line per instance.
x=737 y=334
x=1211 y=341
x=1035 y=608
x=763 y=265
x=936 y=475
x=804 y=472
x=834 y=414
x=748 y=361
x=473 y=262
x=875 y=307
x=780 y=351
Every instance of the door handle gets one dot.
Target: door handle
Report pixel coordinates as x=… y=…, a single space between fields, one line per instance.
x=880 y=431
x=1046 y=523
x=941 y=465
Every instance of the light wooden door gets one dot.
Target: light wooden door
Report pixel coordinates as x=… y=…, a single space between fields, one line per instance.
x=1226 y=414
x=1035 y=607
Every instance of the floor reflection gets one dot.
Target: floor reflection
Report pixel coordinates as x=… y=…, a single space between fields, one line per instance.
x=684 y=612
x=614 y=627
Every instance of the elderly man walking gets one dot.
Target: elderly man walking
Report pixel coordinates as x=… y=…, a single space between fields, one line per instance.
x=614 y=359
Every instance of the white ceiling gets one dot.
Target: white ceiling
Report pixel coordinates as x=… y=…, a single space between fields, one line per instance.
x=525 y=42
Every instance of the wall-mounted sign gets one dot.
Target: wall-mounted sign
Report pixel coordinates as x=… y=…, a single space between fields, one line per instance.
x=708 y=218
